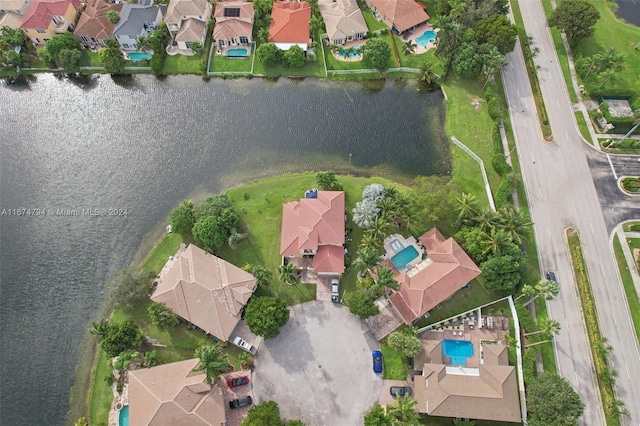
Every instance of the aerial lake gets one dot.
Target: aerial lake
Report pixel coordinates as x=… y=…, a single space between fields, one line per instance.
x=90 y=167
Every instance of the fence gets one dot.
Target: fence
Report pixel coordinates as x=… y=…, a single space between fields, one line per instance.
x=482 y=169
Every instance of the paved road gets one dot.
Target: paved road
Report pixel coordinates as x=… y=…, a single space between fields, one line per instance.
x=561 y=194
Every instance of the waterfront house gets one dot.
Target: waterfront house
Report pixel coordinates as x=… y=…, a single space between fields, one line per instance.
x=427 y=282
x=46 y=18
x=137 y=20
x=93 y=25
x=290 y=25
x=205 y=290
x=173 y=394
x=12 y=12
x=234 y=23
x=343 y=20
x=187 y=21
x=313 y=228
x=399 y=15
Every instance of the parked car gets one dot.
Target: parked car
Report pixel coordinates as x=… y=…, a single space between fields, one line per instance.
x=237 y=381
x=377 y=361
x=551 y=276
x=400 y=390
x=242 y=344
x=240 y=402
x=335 y=290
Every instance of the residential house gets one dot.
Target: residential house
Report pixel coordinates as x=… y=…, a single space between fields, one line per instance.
x=234 y=23
x=314 y=228
x=486 y=392
x=172 y=394
x=205 y=290
x=290 y=25
x=46 y=18
x=400 y=15
x=12 y=12
x=93 y=25
x=137 y=20
x=187 y=21
x=344 y=21
x=446 y=270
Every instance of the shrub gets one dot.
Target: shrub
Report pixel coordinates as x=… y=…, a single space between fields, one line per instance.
x=495 y=108
x=504 y=192
x=500 y=165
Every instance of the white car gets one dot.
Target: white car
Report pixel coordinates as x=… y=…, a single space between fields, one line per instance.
x=246 y=346
x=335 y=290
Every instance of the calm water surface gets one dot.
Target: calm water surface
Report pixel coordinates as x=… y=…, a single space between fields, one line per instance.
x=629 y=10
x=143 y=145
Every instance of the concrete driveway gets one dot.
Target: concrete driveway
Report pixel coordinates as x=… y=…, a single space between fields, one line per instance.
x=319 y=368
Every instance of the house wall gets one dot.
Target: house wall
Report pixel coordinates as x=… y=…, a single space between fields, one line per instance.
x=129 y=42
x=234 y=41
x=20 y=11
x=286 y=46
x=39 y=36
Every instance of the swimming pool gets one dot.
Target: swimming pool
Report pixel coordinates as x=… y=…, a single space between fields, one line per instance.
x=405 y=256
x=139 y=56
x=123 y=416
x=238 y=52
x=353 y=54
x=458 y=351
x=427 y=37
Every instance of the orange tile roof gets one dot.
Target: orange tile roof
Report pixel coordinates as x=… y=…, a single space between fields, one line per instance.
x=329 y=259
x=93 y=22
x=404 y=14
x=290 y=22
x=444 y=272
x=41 y=12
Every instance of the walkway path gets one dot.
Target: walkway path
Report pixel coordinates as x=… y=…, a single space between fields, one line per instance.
x=631 y=261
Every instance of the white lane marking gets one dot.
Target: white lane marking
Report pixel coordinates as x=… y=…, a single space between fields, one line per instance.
x=558 y=102
x=518 y=92
x=613 y=170
x=550 y=78
x=525 y=123
x=540 y=189
x=536 y=22
x=628 y=375
x=566 y=132
x=602 y=270
x=577 y=381
x=614 y=319
x=592 y=231
x=532 y=157
x=549 y=232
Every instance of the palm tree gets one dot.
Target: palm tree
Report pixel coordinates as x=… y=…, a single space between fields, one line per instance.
x=457 y=7
x=591 y=63
x=369 y=241
x=387 y=206
x=514 y=223
x=427 y=75
x=606 y=76
x=468 y=207
x=365 y=260
x=235 y=238
x=544 y=288
x=493 y=61
x=408 y=47
x=262 y=274
x=549 y=326
x=315 y=24
x=143 y=45
x=385 y=278
x=99 y=328
x=486 y=220
x=111 y=43
x=380 y=227
x=496 y=241
x=213 y=361
x=391 y=192
x=289 y=274
x=404 y=412
x=603 y=348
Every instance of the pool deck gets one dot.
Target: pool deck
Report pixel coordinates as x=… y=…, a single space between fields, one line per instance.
x=416 y=263
x=417 y=32
x=222 y=51
x=347 y=45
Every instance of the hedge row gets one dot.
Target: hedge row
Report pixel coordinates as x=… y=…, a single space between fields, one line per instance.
x=500 y=165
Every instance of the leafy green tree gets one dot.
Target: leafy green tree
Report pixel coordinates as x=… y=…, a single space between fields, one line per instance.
x=269 y=54
x=376 y=417
x=468 y=62
x=263 y=275
x=365 y=260
x=143 y=44
x=125 y=358
x=385 y=278
x=327 y=181
x=150 y=359
x=209 y=234
x=264 y=414
x=99 y=328
x=472 y=240
x=294 y=57
x=427 y=75
x=552 y=401
x=10 y=60
x=408 y=47
x=265 y=315
x=128 y=288
x=404 y=411
x=219 y=207
x=235 y=238
x=110 y=56
x=289 y=274
x=360 y=303
x=69 y=60
x=213 y=361
x=197 y=48
x=182 y=218
x=497 y=31
x=575 y=18
x=121 y=336
x=408 y=344
x=434 y=201
x=161 y=315
x=376 y=54
x=505 y=272
x=113 y=17
x=60 y=42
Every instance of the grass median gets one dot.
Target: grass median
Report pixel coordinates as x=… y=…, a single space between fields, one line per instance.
x=629 y=287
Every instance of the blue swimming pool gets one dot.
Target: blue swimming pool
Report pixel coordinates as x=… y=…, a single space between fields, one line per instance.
x=427 y=37
x=355 y=52
x=405 y=256
x=238 y=52
x=139 y=56
x=123 y=416
x=457 y=351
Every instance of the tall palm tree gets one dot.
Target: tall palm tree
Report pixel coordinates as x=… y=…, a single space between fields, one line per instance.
x=387 y=206
x=467 y=207
x=544 y=288
x=427 y=75
x=289 y=273
x=514 y=223
x=486 y=219
x=262 y=274
x=591 y=63
x=369 y=241
x=380 y=227
x=548 y=326
x=213 y=361
x=385 y=278
x=456 y=8
x=404 y=412
x=496 y=241
x=408 y=47
x=606 y=76
x=143 y=45
x=365 y=260
x=99 y=328
x=493 y=61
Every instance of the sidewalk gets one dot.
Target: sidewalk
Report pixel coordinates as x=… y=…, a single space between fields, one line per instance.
x=631 y=263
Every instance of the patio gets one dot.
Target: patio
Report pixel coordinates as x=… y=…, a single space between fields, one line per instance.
x=417 y=32
x=347 y=45
x=396 y=243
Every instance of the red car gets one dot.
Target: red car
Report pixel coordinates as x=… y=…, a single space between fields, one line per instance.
x=237 y=381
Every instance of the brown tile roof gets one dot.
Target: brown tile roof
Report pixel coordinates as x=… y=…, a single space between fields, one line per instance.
x=93 y=22
x=179 y=8
x=312 y=222
x=290 y=22
x=342 y=18
x=446 y=269
x=233 y=27
x=246 y=11
x=404 y=14
x=329 y=259
x=192 y=30
x=431 y=353
x=41 y=12
x=171 y=394
x=206 y=291
x=495 y=354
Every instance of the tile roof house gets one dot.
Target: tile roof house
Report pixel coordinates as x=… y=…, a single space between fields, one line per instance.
x=343 y=19
x=446 y=270
x=489 y=392
x=46 y=18
x=234 y=23
x=205 y=290
x=187 y=21
x=400 y=15
x=12 y=20
x=290 y=24
x=93 y=25
x=171 y=394
x=315 y=227
x=137 y=20
x=12 y=12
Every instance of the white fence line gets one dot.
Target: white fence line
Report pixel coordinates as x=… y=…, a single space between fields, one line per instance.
x=484 y=172
x=516 y=325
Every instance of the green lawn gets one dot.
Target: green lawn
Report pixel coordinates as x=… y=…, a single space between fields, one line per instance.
x=629 y=227
x=223 y=64
x=100 y=395
x=396 y=365
x=90 y=59
x=334 y=64
x=182 y=64
x=161 y=252
x=582 y=125
x=371 y=20
x=627 y=281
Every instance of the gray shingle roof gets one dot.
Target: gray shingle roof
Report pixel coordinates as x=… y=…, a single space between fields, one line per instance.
x=134 y=16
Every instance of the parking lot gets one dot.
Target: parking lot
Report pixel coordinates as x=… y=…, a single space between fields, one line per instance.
x=319 y=368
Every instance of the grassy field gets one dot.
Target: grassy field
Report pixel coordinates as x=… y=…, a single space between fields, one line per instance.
x=90 y=59
x=396 y=365
x=223 y=64
x=371 y=20
x=629 y=287
x=161 y=252
x=181 y=64
x=100 y=395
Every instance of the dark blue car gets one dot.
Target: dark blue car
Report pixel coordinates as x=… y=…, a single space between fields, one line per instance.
x=377 y=361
